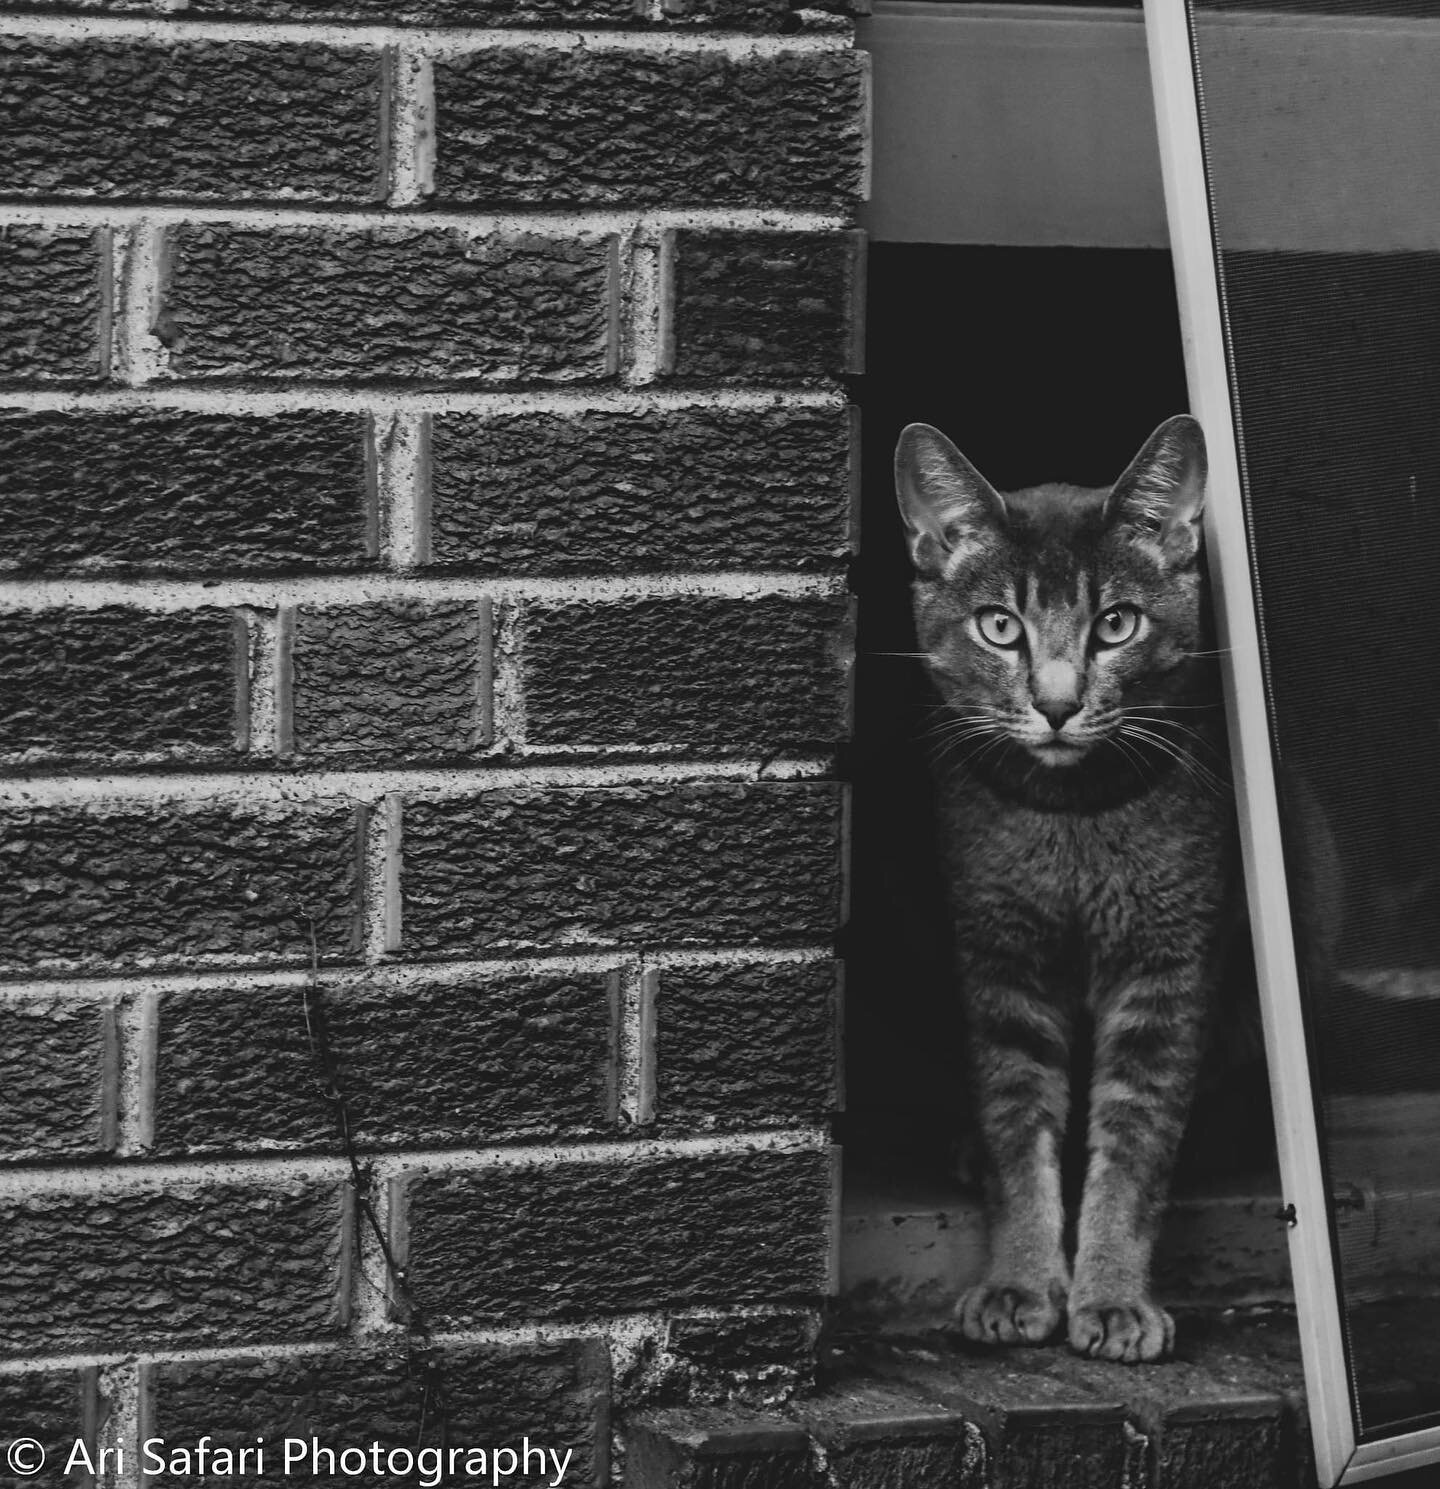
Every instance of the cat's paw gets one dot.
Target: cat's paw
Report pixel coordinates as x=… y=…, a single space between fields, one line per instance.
x=1008 y=1313
x=1130 y=1330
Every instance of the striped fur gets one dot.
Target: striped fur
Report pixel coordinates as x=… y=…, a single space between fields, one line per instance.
x=1088 y=836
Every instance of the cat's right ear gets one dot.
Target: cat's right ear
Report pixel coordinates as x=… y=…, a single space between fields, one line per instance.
x=947 y=505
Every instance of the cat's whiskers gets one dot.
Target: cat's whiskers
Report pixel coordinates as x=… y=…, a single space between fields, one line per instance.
x=1130 y=753
x=1207 y=745
x=1199 y=773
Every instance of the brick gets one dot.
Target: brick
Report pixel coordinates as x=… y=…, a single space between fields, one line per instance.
x=747 y=1045
x=94 y=684
x=429 y=1064
x=520 y=127
x=702 y=488
x=749 y=675
x=711 y=1448
x=167 y=491
x=137 y=884
x=392 y=302
x=221 y=121
x=189 y=1265
x=872 y=1438
x=54 y=1408
x=54 y=1054
x=1234 y=1446
x=1041 y=1431
x=56 y=303
x=397 y=681
x=649 y=865
x=481 y=1395
x=575 y=1239
x=766 y=306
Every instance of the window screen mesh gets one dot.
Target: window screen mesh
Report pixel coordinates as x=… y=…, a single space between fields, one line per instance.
x=1322 y=126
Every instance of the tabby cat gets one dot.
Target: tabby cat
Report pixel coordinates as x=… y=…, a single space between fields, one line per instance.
x=1088 y=840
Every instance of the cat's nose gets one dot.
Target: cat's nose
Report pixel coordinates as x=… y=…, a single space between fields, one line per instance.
x=1058 y=710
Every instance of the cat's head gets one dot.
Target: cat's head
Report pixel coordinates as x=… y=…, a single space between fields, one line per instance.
x=1058 y=619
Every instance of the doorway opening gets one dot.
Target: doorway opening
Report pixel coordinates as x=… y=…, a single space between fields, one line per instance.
x=1040 y=364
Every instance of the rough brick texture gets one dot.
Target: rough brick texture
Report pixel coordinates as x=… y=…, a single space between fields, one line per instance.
x=91 y=684
x=652 y=865
x=584 y=1238
x=55 y=1059
x=207 y=120
x=54 y=327
x=583 y=127
x=424 y=560
x=765 y=306
x=745 y=1045
x=53 y=1408
x=711 y=674
x=427 y=1064
x=165 y=491
x=133 y=884
x=596 y=491
x=402 y=302
x=192 y=1264
x=399 y=681
x=554 y=1392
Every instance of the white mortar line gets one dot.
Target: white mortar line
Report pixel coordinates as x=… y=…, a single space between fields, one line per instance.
x=635 y=1037
x=622 y=1326
x=371 y=1292
x=507 y=675
x=646 y=294
x=580 y=223
x=596 y=752
x=636 y=1150
x=128 y=1178
x=254 y=788
x=139 y=1026
x=382 y=879
x=139 y=355
x=401 y=439
x=412 y=127
x=105 y=989
x=338 y=589
x=201 y=400
x=456 y=42
x=122 y=1425
x=267 y=678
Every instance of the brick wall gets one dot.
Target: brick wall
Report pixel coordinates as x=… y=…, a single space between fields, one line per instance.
x=425 y=487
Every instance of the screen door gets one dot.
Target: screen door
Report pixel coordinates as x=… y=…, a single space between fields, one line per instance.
x=1301 y=148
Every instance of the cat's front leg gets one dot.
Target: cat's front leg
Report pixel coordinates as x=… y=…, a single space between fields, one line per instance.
x=1147 y=1050
x=1019 y=1041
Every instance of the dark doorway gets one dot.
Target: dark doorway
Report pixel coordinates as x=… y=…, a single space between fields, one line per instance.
x=1041 y=364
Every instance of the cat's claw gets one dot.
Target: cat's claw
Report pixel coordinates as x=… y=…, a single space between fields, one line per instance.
x=1131 y=1332
x=1008 y=1313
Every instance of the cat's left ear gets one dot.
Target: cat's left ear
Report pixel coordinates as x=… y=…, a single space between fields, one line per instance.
x=1162 y=494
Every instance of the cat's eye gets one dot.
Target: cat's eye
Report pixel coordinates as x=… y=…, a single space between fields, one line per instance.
x=999 y=627
x=1117 y=625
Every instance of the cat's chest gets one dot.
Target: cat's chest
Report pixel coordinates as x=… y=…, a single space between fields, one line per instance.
x=1098 y=869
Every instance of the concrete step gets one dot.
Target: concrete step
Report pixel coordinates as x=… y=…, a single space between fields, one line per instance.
x=933 y=1413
